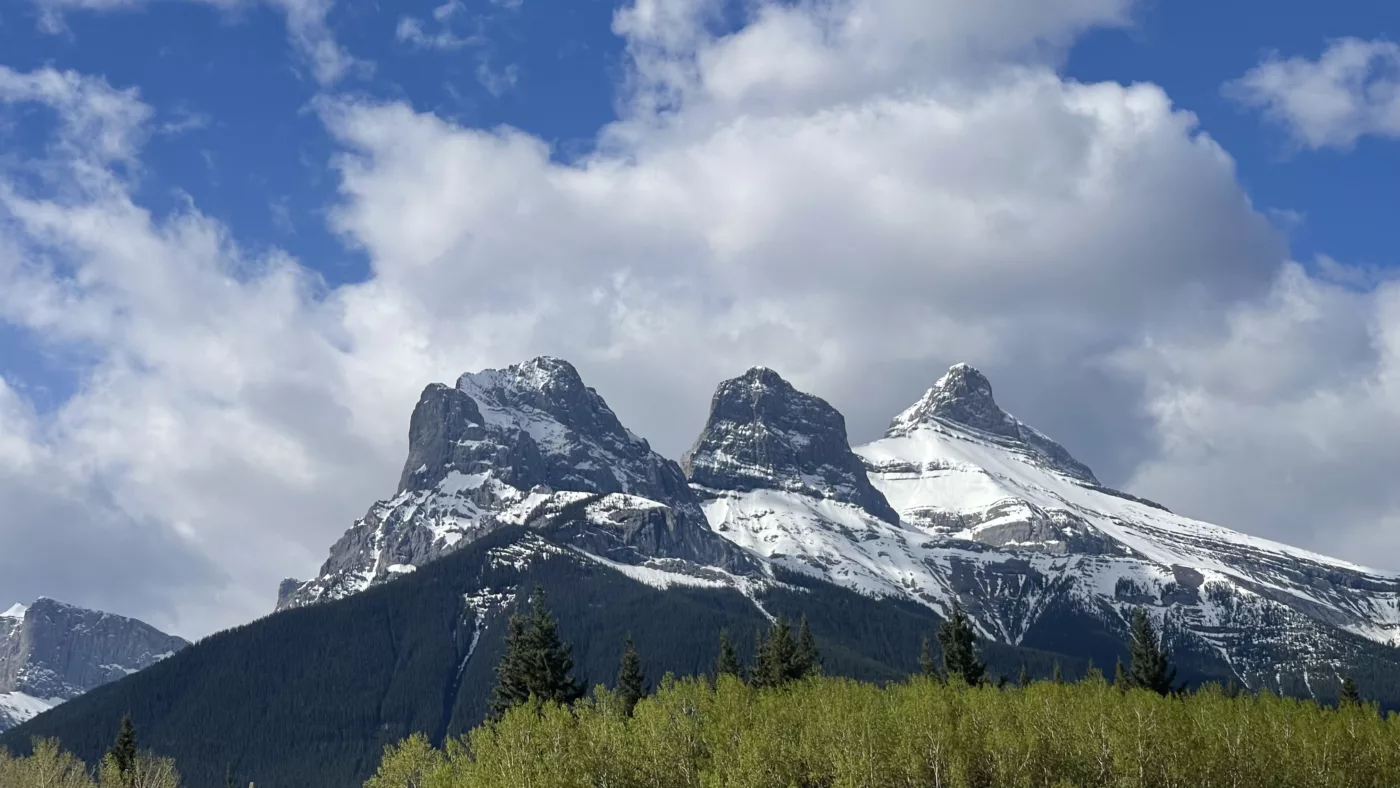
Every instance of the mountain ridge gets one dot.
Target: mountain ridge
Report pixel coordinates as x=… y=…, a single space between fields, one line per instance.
x=52 y=652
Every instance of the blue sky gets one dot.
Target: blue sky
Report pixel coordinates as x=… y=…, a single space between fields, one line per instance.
x=313 y=209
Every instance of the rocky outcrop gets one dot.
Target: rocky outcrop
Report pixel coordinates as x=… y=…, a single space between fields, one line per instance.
x=520 y=445
x=964 y=397
x=764 y=434
x=51 y=652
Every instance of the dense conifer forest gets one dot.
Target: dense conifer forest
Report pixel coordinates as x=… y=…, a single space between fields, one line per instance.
x=308 y=698
x=778 y=721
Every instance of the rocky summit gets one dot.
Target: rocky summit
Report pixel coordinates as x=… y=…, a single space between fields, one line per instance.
x=51 y=652
x=959 y=503
x=526 y=445
x=763 y=434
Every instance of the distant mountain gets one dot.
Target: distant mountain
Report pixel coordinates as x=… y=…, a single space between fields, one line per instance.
x=958 y=501
x=524 y=476
x=51 y=652
x=511 y=447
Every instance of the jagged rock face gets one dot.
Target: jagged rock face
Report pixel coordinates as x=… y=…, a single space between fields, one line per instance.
x=764 y=434
x=959 y=502
x=1017 y=527
x=519 y=445
x=51 y=652
x=964 y=397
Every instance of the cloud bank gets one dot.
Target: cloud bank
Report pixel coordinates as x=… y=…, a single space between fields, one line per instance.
x=855 y=193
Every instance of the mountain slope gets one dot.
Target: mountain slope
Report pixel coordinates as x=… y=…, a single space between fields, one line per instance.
x=506 y=447
x=998 y=517
x=51 y=652
x=308 y=697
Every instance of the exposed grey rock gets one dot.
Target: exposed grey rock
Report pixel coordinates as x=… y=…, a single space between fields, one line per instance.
x=964 y=396
x=54 y=652
x=764 y=434
x=497 y=449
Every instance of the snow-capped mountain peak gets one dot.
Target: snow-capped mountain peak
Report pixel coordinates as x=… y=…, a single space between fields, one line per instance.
x=51 y=652
x=962 y=398
x=963 y=395
x=763 y=434
x=515 y=446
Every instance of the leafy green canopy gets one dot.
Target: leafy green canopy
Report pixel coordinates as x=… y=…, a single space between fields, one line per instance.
x=834 y=732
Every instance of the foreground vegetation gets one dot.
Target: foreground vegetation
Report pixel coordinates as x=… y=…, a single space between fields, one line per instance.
x=838 y=732
x=780 y=724
x=123 y=767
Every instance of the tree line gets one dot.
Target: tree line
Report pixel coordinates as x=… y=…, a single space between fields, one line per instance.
x=779 y=722
x=776 y=720
x=124 y=766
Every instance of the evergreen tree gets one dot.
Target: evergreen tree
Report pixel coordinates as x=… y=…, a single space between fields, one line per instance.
x=512 y=680
x=631 y=684
x=536 y=663
x=1092 y=673
x=1350 y=693
x=1120 y=677
x=728 y=662
x=552 y=658
x=1024 y=679
x=959 y=643
x=123 y=750
x=228 y=777
x=780 y=657
x=1059 y=676
x=927 y=665
x=809 y=659
x=1151 y=668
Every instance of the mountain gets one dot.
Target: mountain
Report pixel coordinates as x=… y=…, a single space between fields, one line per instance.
x=51 y=652
x=512 y=447
x=309 y=697
x=523 y=476
x=958 y=502
x=997 y=517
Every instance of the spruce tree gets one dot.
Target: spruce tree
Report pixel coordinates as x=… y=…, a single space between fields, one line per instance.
x=959 y=643
x=1120 y=677
x=552 y=659
x=927 y=665
x=1350 y=694
x=1151 y=668
x=123 y=750
x=809 y=659
x=512 y=679
x=1059 y=675
x=1092 y=674
x=728 y=662
x=1024 y=679
x=536 y=663
x=778 y=659
x=631 y=683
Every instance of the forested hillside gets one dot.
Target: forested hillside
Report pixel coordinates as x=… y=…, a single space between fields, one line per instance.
x=309 y=697
x=836 y=732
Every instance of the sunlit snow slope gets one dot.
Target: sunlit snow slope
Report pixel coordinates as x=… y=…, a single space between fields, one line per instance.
x=999 y=517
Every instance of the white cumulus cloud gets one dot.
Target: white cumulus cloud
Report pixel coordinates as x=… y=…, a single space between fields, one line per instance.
x=856 y=194
x=1352 y=90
